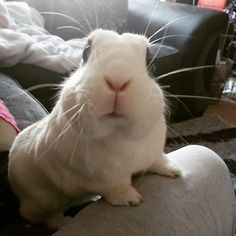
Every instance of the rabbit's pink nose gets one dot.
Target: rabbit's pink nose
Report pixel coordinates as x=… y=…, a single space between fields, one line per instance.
x=117 y=86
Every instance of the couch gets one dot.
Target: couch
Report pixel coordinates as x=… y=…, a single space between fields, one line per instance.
x=190 y=40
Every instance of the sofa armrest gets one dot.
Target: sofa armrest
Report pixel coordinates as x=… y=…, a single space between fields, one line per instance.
x=169 y=206
x=188 y=28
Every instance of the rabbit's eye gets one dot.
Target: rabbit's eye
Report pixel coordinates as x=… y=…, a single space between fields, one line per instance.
x=86 y=52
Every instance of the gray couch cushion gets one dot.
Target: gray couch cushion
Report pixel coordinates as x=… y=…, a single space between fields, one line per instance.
x=108 y=14
x=25 y=109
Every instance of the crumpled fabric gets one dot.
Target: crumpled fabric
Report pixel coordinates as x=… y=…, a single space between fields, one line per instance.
x=23 y=39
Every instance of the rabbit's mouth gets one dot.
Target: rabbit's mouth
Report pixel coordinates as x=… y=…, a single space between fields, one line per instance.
x=114 y=115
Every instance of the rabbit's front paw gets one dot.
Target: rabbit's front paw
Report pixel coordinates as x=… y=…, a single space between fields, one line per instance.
x=123 y=195
x=165 y=167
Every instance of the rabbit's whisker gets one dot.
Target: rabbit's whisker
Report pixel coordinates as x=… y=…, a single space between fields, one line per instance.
x=168 y=36
x=66 y=127
x=87 y=21
x=159 y=48
x=65 y=112
x=151 y=17
x=172 y=130
x=96 y=13
x=72 y=27
x=39 y=86
x=74 y=149
x=77 y=139
x=184 y=70
x=66 y=16
x=32 y=88
x=214 y=99
x=167 y=94
x=166 y=25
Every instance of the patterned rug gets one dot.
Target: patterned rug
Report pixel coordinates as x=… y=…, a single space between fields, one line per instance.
x=209 y=131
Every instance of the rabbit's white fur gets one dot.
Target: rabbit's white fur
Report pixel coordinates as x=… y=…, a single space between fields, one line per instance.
x=107 y=124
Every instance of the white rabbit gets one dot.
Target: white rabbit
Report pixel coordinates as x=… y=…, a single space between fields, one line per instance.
x=107 y=124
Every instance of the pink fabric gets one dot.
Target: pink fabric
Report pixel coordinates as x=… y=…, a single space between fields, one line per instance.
x=214 y=4
x=7 y=116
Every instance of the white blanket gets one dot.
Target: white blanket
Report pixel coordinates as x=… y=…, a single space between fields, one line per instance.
x=23 y=39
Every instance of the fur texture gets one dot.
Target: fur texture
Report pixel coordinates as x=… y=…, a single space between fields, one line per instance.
x=107 y=124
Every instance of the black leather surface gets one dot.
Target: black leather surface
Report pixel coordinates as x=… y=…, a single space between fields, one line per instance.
x=187 y=24
x=162 y=59
x=195 y=33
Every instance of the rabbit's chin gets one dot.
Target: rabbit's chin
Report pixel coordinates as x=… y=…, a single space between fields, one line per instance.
x=110 y=126
x=106 y=127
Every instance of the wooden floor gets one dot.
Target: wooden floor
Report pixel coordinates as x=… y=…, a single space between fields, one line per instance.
x=226 y=109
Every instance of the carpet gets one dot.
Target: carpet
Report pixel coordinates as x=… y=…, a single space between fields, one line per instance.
x=209 y=131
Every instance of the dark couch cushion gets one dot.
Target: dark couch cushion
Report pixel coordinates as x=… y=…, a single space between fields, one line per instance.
x=30 y=76
x=25 y=109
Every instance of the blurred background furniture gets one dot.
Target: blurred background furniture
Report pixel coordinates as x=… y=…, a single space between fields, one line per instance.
x=214 y=4
x=194 y=33
x=186 y=36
